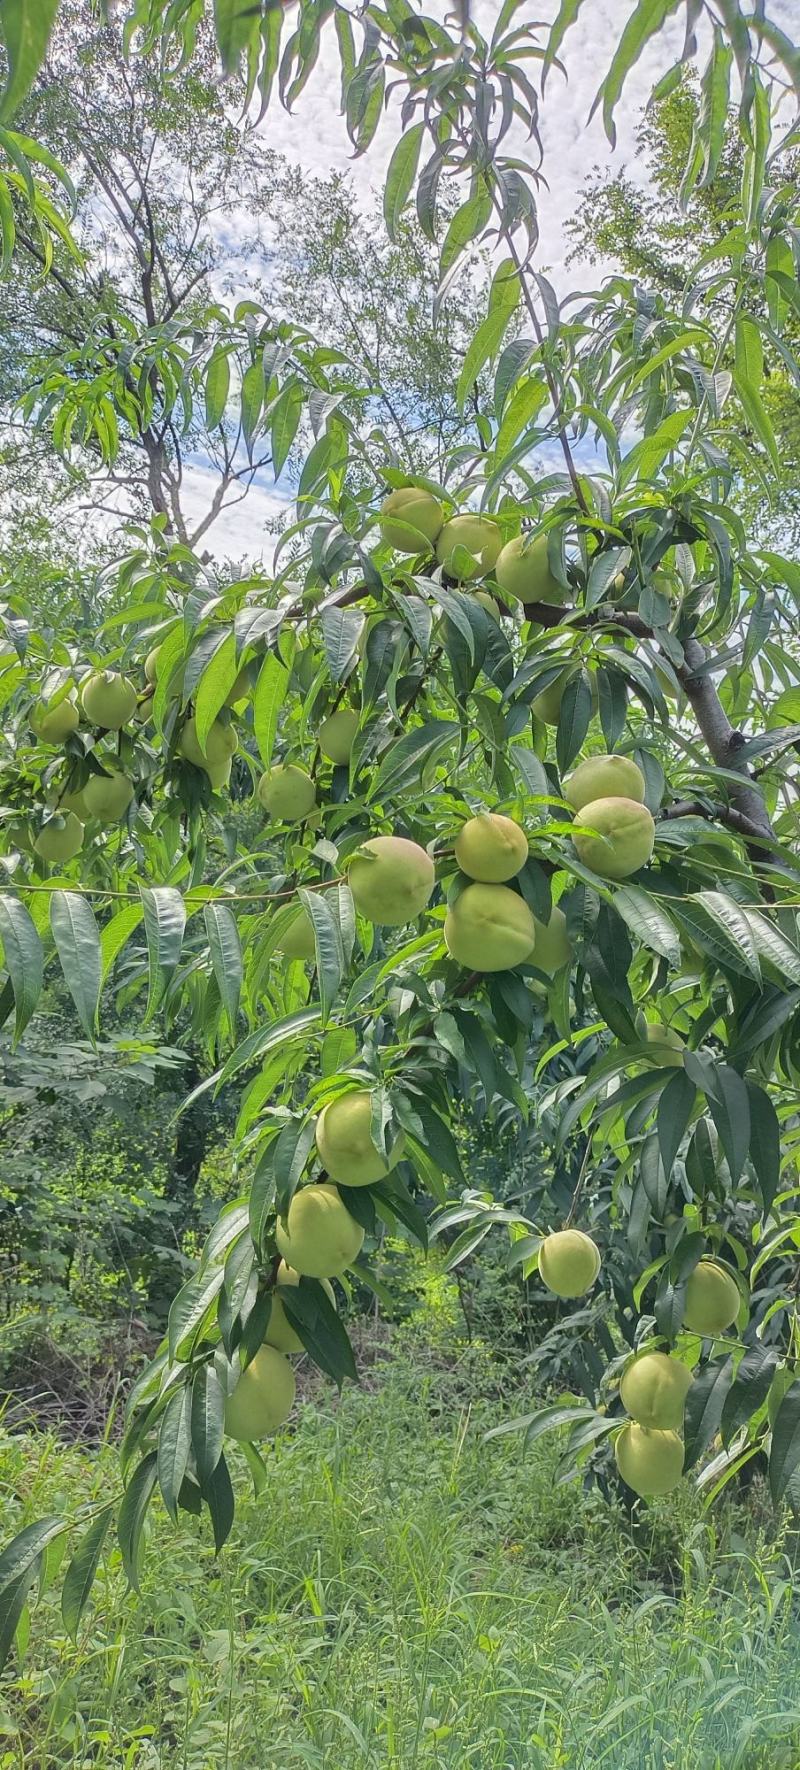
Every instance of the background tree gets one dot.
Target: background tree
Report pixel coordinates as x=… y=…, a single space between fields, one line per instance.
x=652 y=230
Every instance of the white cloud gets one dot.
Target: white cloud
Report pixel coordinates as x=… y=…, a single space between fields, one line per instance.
x=243 y=530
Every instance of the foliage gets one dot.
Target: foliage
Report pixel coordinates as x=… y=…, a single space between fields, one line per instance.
x=669 y=634
x=651 y=232
x=404 y=1593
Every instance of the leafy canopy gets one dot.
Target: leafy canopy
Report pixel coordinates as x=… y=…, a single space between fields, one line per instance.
x=660 y=628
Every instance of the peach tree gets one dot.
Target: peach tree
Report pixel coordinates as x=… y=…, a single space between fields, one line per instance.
x=496 y=762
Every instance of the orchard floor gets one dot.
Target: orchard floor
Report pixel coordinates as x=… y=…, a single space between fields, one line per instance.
x=405 y=1596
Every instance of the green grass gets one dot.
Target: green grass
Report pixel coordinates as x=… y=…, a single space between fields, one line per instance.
x=405 y=1596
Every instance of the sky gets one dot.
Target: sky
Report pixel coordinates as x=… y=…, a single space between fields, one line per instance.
x=314 y=137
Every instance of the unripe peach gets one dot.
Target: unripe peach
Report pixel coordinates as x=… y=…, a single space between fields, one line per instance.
x=476 y=535
x=344 y=1141
x=650 y=1462
x=287 y=793
x=523 y=571
x=604 y=777
x=391 y=880
x=61 y=838
x=410 y=519
x=489 y=928
x=712 y=1299
x=263 y=1397
x=108 y=699
x=569 y=1262
x=55 y=721
x=319 y=1237
x=491 y=848
x=654 y=1389
x=624 y=839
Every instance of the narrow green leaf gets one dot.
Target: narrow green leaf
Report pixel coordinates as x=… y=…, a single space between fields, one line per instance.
x=405 y=760
x=25 y=26
x=466 y=224
x=80 y=1574
x=226 y=957
x=481 y=349
x=545 y=1419
x=750 y=1388
x=217 y=387
x=644 y=22
x=765 y=1144
x=284 y=422
x=207 y=1422
x=525 y=404
x=323 y=1334
x=77 y=939
x=566 y=16
x=213 y=686
x=189 y=1308
x=132 y=1513
x=704 y=1404
x=672 y=1117
x=784 y=1455
x=328 y=945
x=735 y=925
x=651 y=364
x=748 y=369
x=573 y=720
x=730 y=1110
x=268 y=699
x=400 y=177
x=234 y=23
x=174 y=1445
x=164 y=922
x=116 y=933
x=715 y=90
x=648 y=921
x=267 y=1038
x=253 y=390
x=289 y=1156
x=644 y=459
x=221 y=1503
x=24 y=959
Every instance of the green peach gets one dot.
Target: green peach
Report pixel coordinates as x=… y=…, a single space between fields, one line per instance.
x=712 y=1300
x=523 y=571
x=318 y=1236
x=336 y=735
x=654 y=1389
x=263 y=1396
x=391 y=879
x=650 y=1462
x=410 y=519
x=624 y=839
x=298 y=940
x=344 y=1141
x=53 y=722
x=478 y=536
x=569 y=1262
x=491 y=848
x=61 y=838
x=489 y=928
x=287 y=793
x=107 y=796
x=552 y=946
x=604 y=777
x=108 y=699
x=221 y=744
